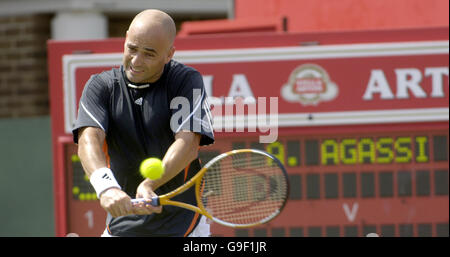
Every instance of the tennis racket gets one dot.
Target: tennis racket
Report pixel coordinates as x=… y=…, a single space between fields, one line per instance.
x=239 y=188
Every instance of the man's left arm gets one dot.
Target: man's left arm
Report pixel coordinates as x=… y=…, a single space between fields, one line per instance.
x=179 y=155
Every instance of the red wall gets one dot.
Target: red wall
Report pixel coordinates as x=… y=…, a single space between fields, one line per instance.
x=326 y=15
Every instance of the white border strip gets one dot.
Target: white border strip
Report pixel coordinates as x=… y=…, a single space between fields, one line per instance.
x=313 y=52
x=72 y=62
x=227 y=123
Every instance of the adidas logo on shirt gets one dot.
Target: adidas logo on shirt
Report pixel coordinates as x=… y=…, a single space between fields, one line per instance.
x=138 y=101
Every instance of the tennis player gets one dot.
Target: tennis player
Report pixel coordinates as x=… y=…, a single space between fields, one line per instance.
x=130 y=113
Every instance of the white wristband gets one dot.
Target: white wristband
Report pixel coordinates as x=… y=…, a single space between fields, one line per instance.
x=102 y=179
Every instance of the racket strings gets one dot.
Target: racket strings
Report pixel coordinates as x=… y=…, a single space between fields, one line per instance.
x=244 y=188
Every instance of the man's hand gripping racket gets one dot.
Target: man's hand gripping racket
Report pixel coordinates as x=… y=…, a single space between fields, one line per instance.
x=239 y=188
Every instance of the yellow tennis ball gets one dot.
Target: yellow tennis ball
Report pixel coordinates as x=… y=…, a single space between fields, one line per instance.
x=152 y=168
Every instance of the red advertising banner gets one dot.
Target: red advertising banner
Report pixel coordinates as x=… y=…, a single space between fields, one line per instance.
x=319 y=85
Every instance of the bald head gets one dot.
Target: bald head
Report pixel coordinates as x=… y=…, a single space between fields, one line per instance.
x=148 y=46
x=154 y=21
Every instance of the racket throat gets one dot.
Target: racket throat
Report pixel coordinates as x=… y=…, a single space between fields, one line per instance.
x=155 y=201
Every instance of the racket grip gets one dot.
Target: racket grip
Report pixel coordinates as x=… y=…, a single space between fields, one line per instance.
x=154 y=201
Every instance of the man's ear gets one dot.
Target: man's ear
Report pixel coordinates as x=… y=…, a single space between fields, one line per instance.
x=171 y=53
x=126 y=37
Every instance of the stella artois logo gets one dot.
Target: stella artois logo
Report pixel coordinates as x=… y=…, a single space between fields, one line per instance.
x=309 y=84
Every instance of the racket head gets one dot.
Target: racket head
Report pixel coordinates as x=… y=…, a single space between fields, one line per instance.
x=243 y=188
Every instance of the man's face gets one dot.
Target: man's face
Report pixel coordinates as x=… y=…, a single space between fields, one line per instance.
x=145 y=55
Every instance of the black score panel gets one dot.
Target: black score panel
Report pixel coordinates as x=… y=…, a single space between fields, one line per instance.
x=311 y=152
x=82 y=189
x=85 y=216
x=338 y=173
x=404 y=181
x=373 y=150
x=293 y=156
x=345 y=150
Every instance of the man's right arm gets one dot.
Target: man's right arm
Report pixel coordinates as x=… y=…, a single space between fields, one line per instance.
x=90 y=151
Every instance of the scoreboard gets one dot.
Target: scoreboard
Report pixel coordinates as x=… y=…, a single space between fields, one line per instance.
x=360 y=123
x=378 y=181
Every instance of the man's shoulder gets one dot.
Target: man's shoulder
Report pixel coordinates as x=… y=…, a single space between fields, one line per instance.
x=177 y=68
x=105 y=79
x=108 y=75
